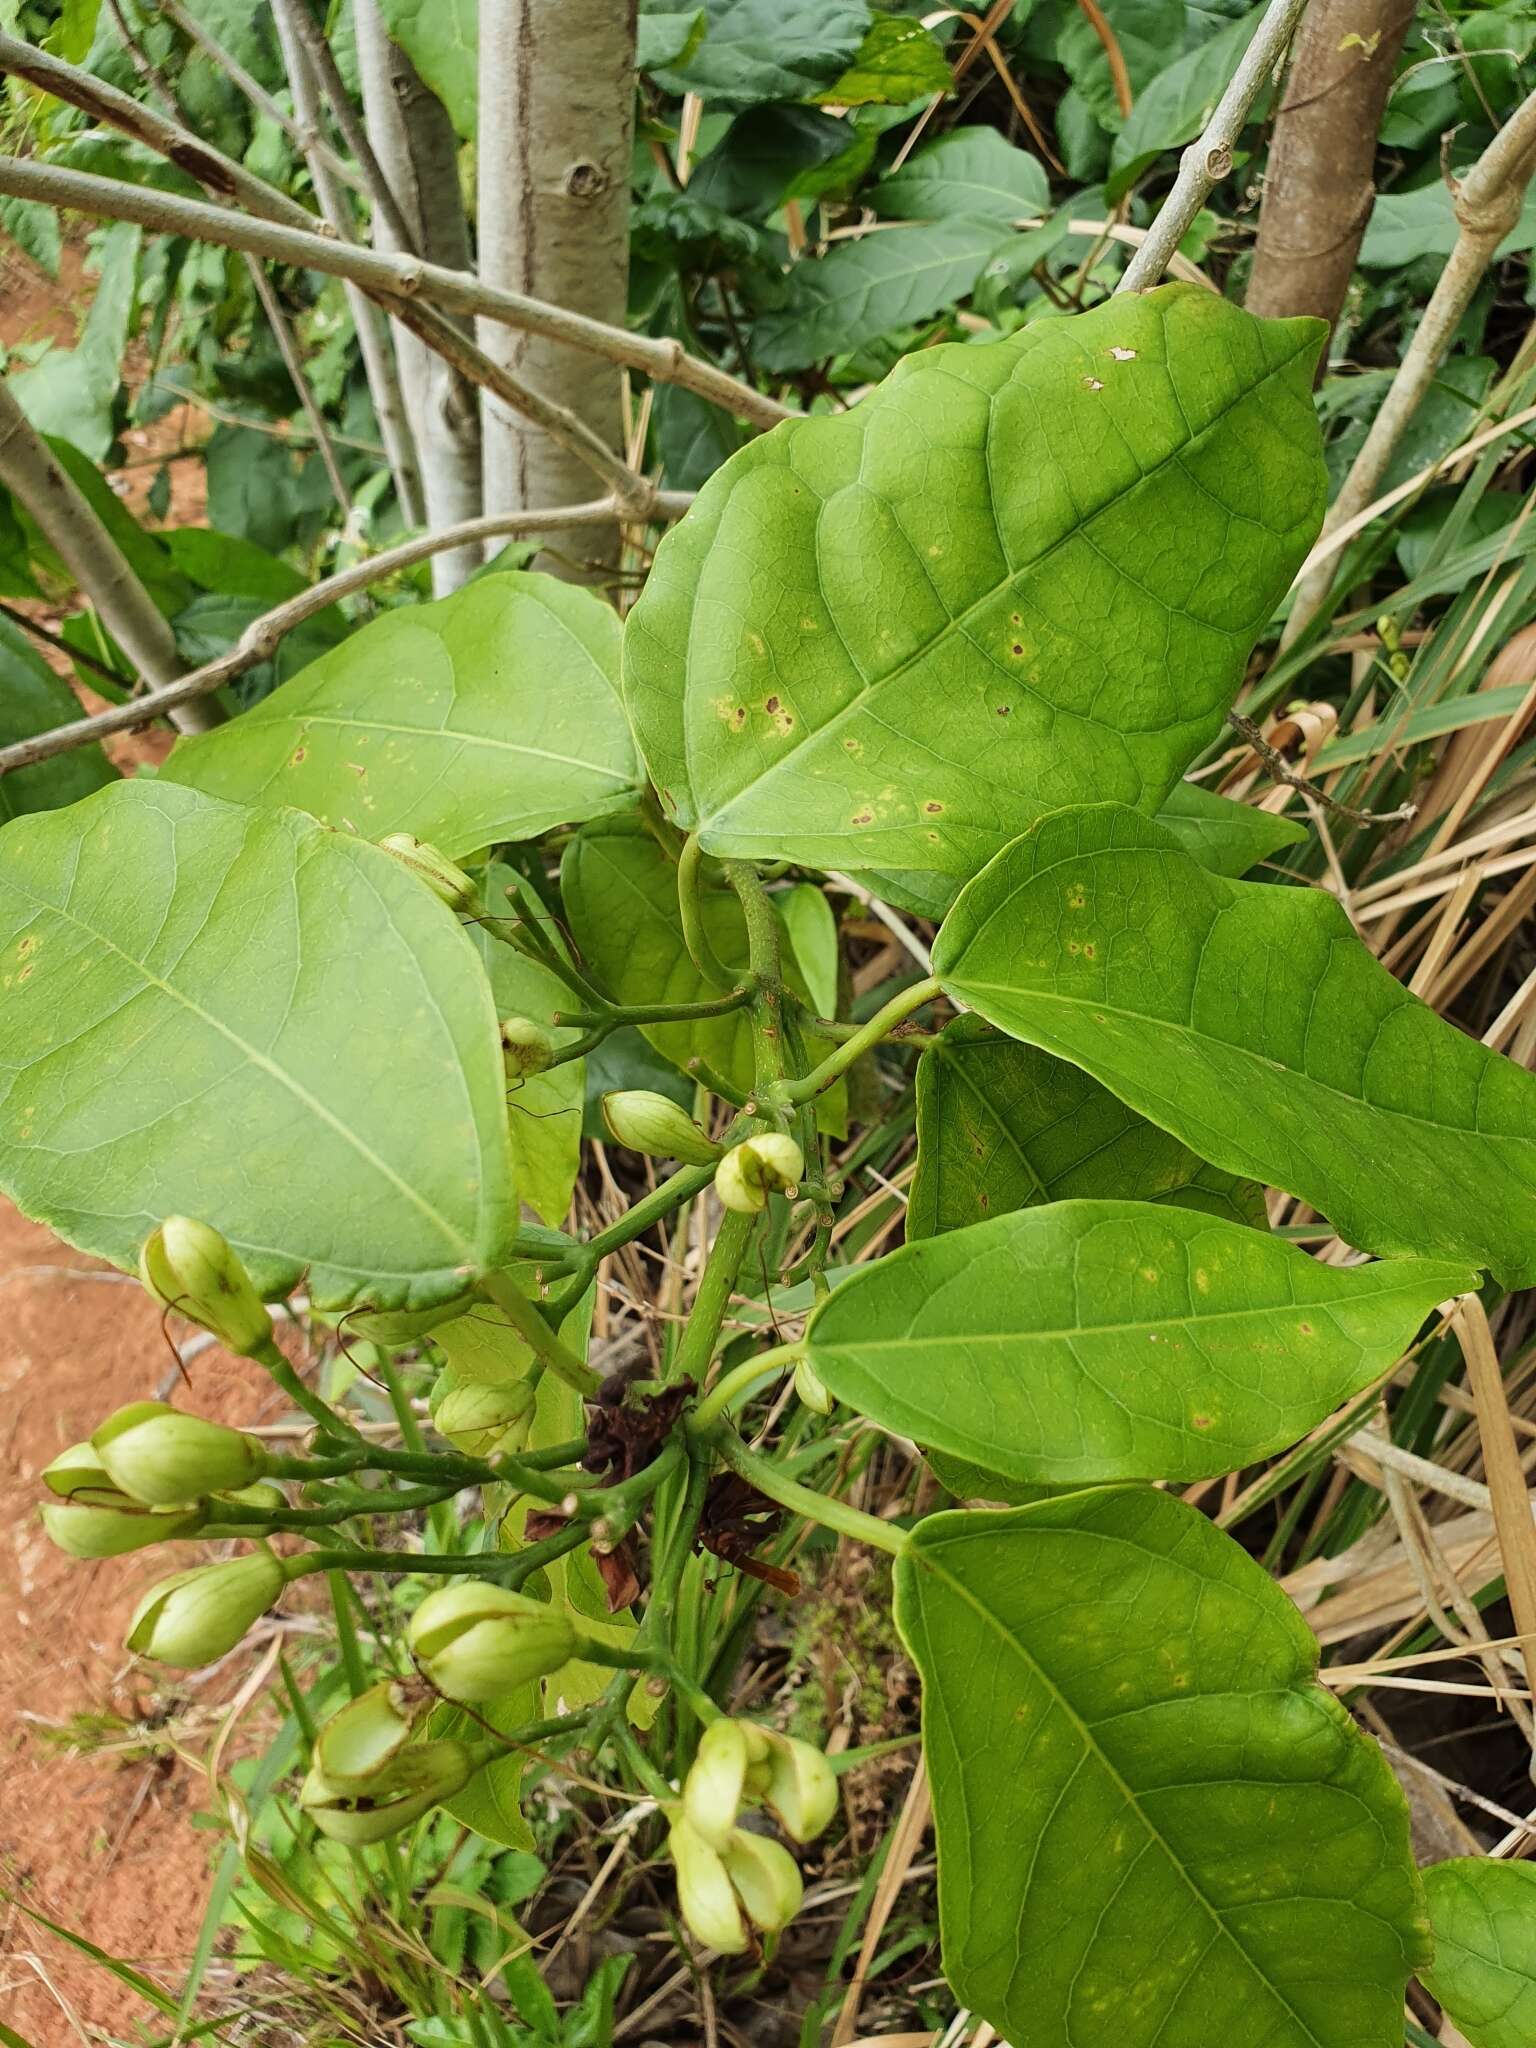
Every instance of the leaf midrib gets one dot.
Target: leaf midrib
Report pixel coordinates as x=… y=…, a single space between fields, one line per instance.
x=922 y=1559
x=440 y=732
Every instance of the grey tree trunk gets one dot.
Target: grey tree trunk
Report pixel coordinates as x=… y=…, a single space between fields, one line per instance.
x=418 y=152
x=557 y=91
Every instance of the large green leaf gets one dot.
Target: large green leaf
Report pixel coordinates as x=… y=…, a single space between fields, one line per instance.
x=1483 y=1914
x=491 y=715
x=970 y=170
x=237 y=1015
x=755 y=50
x=1088 y=1341
x=1004 y=1126
x=1018 y=575
x=863 y=289
x=33 y=699
x=1251 y=1022
x=1155 y=1830
x=543 y=1110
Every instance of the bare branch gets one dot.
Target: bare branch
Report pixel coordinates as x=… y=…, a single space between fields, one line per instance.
x=1488 y=200
x=262 y=636
x=1209 y=158
x=293 y=363
x=1280 y=770
x=302 y=24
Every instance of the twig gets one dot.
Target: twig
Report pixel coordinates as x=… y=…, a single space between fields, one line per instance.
x=293 y=363
x=1280 y=770
x=298 y=17
x=260 y=638
x=1209 y=158
x=62 y=646
x=1487 y=203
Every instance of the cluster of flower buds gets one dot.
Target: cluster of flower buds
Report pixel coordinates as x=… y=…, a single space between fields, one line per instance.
x=448 y=883
x=728 y=1876
x=750 y=1172
x=657 y=1126
x=474 y=1641
x=189 y=1267
x=367 y=1779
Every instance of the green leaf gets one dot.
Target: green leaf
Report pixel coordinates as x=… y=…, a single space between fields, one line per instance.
x=490 y=715
x=145 y=555
x=442 y=39
x=765 y=156
x=197 y=995
x=1177 y=102
x=811 y=924
x=1148 y=32
x=897 y=61
x=888 y=278
x=1251 y=1022
x=34 y=228
x=71 y=391
x=236 y=567
x=1226 y=837
x=490 y=1802
x=1483 y=1914
x=1003 y=1126
x=1088 y=1341
x=971 y=171
x=1153 y=1825
x=33 y=699
x=866 y=647
x=968 y=1481
x=769 y=49
x=667 y=36
x=1407 y=225
x=543 y=1110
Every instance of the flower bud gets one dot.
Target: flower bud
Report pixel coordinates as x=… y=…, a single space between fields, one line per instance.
x=704 y=1893
x=810 y=1390
x=765 y=1877
x=362 y=1740
x=77 y=1470
x=756 y=1168
x=198 y=1616
x=475 y=1641
x=448 y=883
x=418 y=1779
x=189 y=1267
x=657 y=1126
x=801 y=1790
x=712 y=1790
x=480 y=1417
x=156 y=1454
x=107 y=1523
x=526 y=1047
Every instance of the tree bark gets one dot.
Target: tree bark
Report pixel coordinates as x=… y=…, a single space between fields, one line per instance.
x=31 y=471
x=557 y=89
x=418 y=152
x=1319 y=186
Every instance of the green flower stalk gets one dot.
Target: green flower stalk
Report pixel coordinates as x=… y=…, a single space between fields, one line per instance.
x=415 y=1781
x=448 y=883
x=189 y=1267
x=475 y=1642
x=750 y=1172
x=156 y=1454
x=196 y=1617
x=654 y=1124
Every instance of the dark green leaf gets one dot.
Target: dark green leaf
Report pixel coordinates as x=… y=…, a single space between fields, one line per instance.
x=33 y=699
x=865 y=647
x=898 y=61
x=1407 y=225
x=1483 y=1915
x=197 y=995
x=667 y=36
x=1153 y=1825
x=770 y=49
x=971 y=171
x=1004 y=1126
x=1177 y=102
x=1251 y=1022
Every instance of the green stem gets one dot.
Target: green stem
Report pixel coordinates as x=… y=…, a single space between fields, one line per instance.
x=484 y=1564
x=542 y=1341
x=318 y=1411
x=869 y=1035
x=690 y=904
x=782 y=1358
x=629 y=1748
x=658 y=1013
x=764 y=952
x=534 y=943
x=234 y=1518
x=697 y=1349
x=802 y=1500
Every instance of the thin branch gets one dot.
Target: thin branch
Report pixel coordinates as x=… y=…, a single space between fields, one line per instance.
x=1488 y=201
x=262 y=636
x=396 y=279
x=293 y=363
x=347 y=119
x=1209 y=158
x=1280 y=770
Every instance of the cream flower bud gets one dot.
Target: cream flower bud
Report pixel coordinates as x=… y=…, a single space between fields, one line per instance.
x=106 y=1523
x=768 y=1164
x=364 y=1738
x=801 y=1790
x=713 y=1788
x=199 y=1616
x=810 y=1390
x=418 y=1779
x=157 y=1454
x=475 y=1641
x=705 y=1895
x=765 y=1877
x=657 y=1126
x=77 y=1470
x=190 y=1267
x=448 y=883
x=526 y=1047
x=480 y=1417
